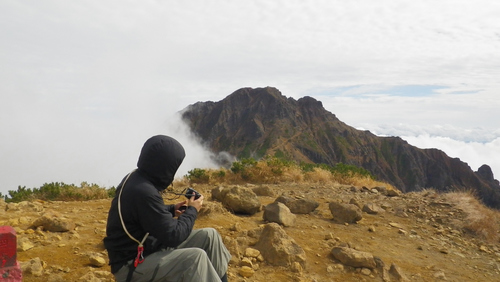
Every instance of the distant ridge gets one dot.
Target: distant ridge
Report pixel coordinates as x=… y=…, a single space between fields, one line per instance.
x=261 y=121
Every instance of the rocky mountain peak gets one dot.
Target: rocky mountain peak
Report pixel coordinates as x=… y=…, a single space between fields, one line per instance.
x=262 y=121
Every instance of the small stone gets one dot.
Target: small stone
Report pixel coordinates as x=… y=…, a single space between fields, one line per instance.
x=396 y=225
x=24 y=244
x=371 y=228
x=484 y=249
x=366 y=271
x=251 y=252
x=97 y=261
x=296 y=267
x=246 y=262
x=260 y=258
x=235 y=227
x=246 y=271
x=440 y=275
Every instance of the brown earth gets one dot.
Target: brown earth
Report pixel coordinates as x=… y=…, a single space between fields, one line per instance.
x=418 y=232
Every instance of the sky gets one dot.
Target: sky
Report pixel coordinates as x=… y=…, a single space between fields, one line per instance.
x=84 y=84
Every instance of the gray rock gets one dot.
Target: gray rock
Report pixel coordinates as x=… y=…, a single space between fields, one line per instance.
x=53 y=222
x=302 y=206
x=397 y=273
x=278 y=248
x=372 y=208
x=354 y=258
x=354 y=201
x=381 y=189
x=284 y=199
x=238 y=199
x=263 y=191
x=392 y=193
x=345 y=213
x=34 y=266
x=279 y=213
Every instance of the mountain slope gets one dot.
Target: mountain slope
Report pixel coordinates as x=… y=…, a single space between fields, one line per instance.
x=257 y=122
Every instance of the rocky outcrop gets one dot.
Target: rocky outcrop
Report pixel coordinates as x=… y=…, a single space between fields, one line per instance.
x=262 y=121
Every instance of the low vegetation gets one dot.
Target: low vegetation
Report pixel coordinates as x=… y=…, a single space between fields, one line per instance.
x=481 y=220
x=59 y=191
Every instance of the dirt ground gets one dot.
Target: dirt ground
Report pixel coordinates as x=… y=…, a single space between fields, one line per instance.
x=413 y=234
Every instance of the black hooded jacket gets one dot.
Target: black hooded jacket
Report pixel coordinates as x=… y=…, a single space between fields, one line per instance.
x=142 y=206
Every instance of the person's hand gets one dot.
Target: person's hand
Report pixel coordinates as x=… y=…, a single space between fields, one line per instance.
x=197 y=204
x=178 y=208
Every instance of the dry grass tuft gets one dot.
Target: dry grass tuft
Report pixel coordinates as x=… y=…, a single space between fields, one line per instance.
x=318 y=175
x=293 y=174
x=480 y=220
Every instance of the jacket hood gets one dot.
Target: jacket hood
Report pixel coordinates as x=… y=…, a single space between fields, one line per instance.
x=160 y=158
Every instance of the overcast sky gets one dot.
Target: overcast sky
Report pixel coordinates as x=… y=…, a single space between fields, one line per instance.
x=85 y=83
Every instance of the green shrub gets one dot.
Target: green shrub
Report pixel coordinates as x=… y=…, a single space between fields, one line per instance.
x=59 y=191
x=220 y=174
x=243 y=164
x=198 y=175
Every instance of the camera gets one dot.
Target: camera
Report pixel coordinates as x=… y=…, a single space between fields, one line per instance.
x=189 y=193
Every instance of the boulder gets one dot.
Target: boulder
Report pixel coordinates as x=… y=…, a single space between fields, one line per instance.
x=297 y=206
x=345 y=213
x=279 y=213
x=354 y=258
x=238 y=199
x=392 y=193
x=34 y=267
x=278 y=248
x=372 y=208
x=302 y=206
x=397 y=273
x=284 y=199
x=263 y=191
x=53 y=222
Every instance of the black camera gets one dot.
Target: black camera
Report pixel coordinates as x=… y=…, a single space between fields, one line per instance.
x=189 y=193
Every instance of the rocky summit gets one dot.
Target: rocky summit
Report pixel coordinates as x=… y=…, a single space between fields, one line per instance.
x=262 y=121
x=303 y=232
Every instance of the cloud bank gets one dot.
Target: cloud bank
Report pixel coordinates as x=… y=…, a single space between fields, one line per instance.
x=84 y=84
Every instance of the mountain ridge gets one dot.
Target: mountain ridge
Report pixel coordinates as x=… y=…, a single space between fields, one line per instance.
x=262 y=121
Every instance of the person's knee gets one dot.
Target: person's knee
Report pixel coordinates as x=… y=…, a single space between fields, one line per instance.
x=194 y=254
x=210 y=232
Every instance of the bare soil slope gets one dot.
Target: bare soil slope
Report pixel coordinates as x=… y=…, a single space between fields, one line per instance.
x=419 y=232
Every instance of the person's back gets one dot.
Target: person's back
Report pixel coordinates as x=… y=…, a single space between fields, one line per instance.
x=170 y=246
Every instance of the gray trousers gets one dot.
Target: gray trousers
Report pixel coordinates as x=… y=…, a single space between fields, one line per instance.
x=201 y=257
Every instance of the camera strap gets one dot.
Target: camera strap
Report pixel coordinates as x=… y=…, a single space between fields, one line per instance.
x=140 y=249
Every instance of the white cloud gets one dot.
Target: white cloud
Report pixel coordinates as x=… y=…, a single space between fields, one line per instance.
x=84 y=84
